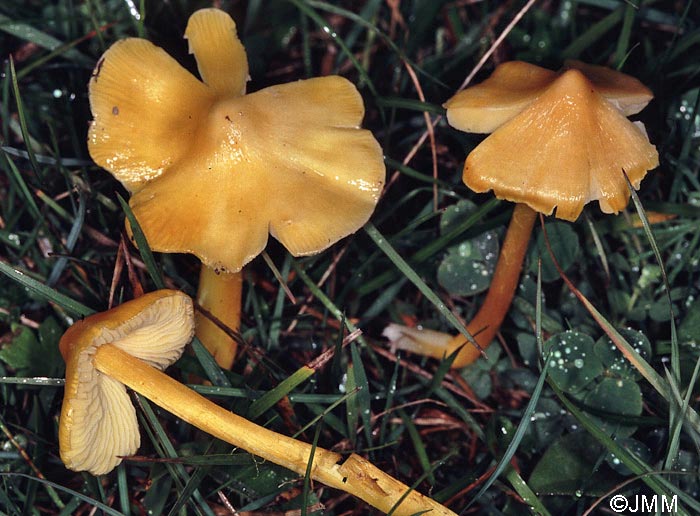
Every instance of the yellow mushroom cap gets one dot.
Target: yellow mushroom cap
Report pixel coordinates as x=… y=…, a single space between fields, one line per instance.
x=514 y=85
x=98 y=421
x=568 y=147
x=212 y=171
x=625 y=92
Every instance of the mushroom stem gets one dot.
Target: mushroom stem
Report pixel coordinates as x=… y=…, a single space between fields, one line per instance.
x=355 y=475
x=219 y=293
x=488 y=319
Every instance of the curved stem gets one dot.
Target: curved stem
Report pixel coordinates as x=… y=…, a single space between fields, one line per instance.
x=487 y=321
x=219 y=293
x=355 y=475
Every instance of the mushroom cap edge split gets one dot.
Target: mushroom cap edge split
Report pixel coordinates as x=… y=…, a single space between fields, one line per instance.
x=213 y=172
x=98 y=421
x=568 y=147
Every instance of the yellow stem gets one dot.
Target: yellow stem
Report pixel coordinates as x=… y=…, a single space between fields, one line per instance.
x=355 y=475
x=219 y=293
x=488 y=319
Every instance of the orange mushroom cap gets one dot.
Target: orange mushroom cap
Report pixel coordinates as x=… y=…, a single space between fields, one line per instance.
x=568 y=147
x=213 y=171
x=514 y=85
x=625 y=92
x=98 y=421
x=511 y=87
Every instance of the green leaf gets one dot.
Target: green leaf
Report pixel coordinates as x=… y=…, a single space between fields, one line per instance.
x=462 y=272
x=18 y=353
x=568 y=467
x=689 y=329
x=614 y=362
x=478 y=375
x=467 y=268
x=31 y=356
x=618 y=398
x=546 y=424
x=572 y=363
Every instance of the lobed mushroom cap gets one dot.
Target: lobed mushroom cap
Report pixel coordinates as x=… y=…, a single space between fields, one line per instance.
x=98 y=421
x=568 y=147
x=212 y=171
x=514 y=85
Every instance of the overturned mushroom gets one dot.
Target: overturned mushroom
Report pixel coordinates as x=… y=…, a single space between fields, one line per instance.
x=129 y=346
x=212 y=171
x=559 y=142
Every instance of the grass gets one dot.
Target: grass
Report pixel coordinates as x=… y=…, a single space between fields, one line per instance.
x=503 y=436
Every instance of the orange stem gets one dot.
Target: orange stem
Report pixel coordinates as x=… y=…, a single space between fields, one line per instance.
x=219 y=293
x=488 y=319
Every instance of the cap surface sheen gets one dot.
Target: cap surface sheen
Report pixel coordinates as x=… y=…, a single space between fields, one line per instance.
x=567 y=148
x=213 y=172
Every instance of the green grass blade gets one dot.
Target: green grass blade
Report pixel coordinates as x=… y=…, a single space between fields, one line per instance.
x=372 y=29
x=413 y=173
x=213 y=371
x=325 y=300
x=47 y=293
x=307 y=474
x=286 y=386
x=518 y=435
x=418 y=446
x=526 y=493
x=71 y=241
x=623 y=39
x=21 y=114
x=142 y=244
x=123 y=490
x=62 y=49
x=190 y=488
x=676 y=421
x=31 y=34
x=675 y=353
x=410 y=104
x=161 y=441
x=90 y=501
x=631 y=461
x=364 y=401
x=430 y=472
x=323 y=25
x=593 y=34
x=413 y=277
x=16 y=176
x=432 y=248
x=648 y=372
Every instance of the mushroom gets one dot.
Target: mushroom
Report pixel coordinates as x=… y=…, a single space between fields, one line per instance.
x=559 y=141
x=128 y=346
x=212 y=171
x=514 y=85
